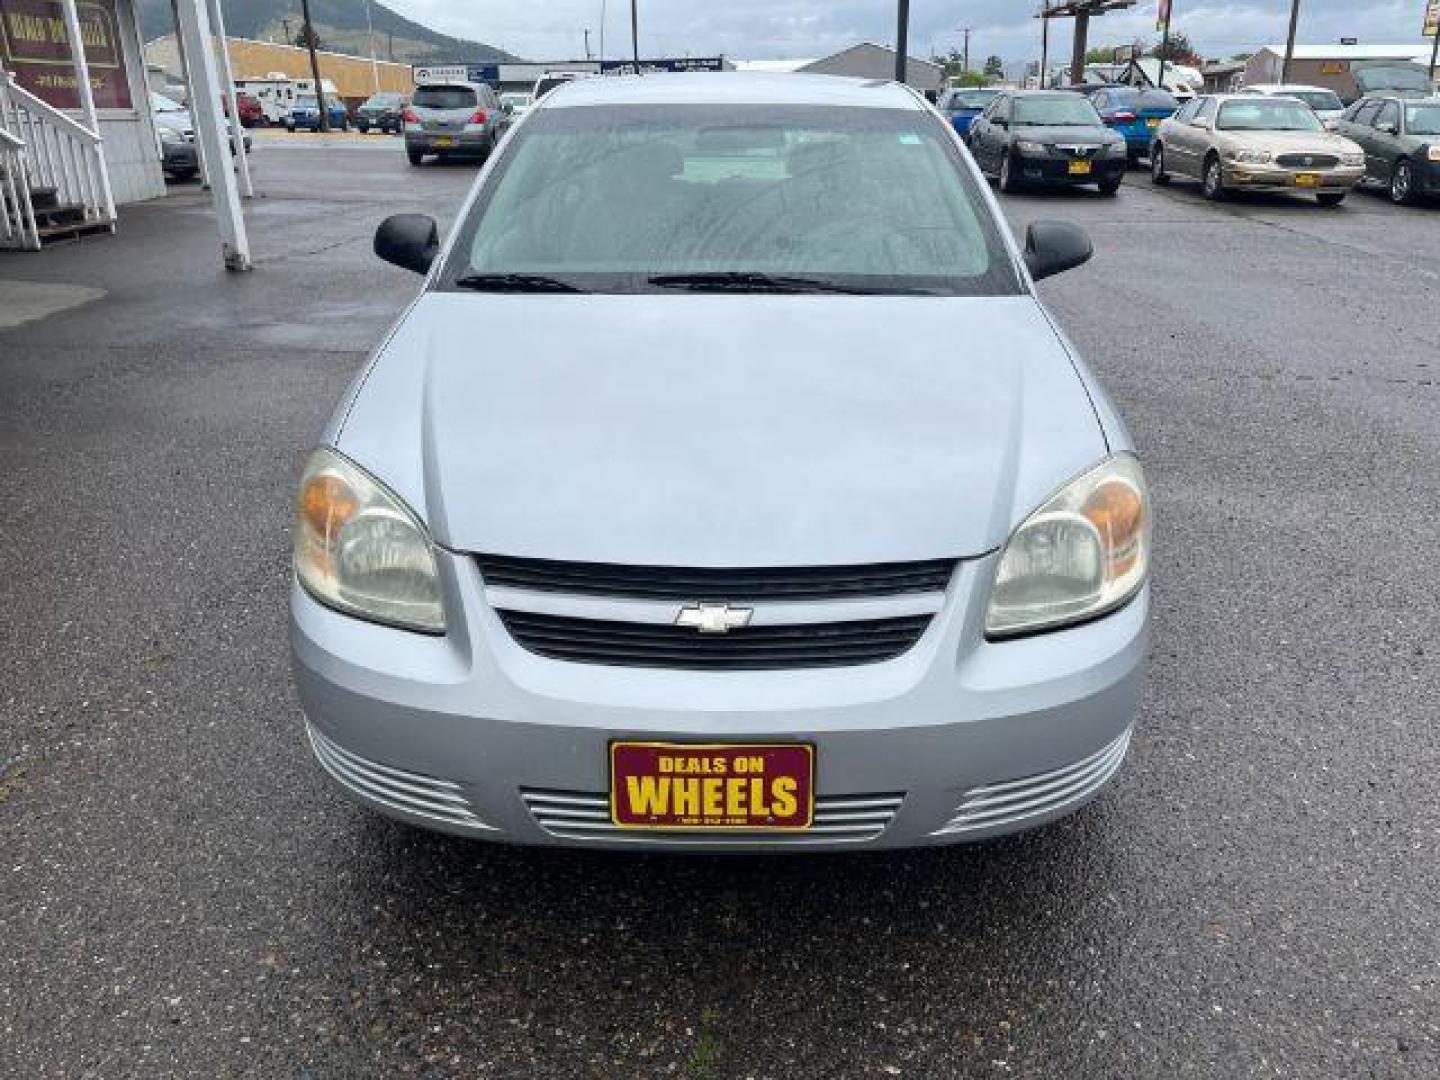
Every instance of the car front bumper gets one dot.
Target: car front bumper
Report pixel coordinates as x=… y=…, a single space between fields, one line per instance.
x=1056 y=171
x=1271 y=177
x=958 y=739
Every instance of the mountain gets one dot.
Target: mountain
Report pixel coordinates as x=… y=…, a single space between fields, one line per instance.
x=340 y=26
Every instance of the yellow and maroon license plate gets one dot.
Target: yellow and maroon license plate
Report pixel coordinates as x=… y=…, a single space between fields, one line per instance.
x=701 y=787
x=445 y=142
x=1152 y=123
x=1307 y=179
x=1079 y=168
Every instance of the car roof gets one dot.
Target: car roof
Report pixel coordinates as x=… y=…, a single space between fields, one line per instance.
x=731 y=87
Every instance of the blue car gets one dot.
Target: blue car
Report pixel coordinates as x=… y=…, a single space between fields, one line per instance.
x=1135 y=112
x=305 y=114
x=962 y=105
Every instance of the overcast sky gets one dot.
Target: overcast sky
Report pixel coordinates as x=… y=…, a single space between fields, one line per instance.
x=769 y=29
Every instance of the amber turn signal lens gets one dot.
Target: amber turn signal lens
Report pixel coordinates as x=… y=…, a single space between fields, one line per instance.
x=1117 y=511
x=326 y=503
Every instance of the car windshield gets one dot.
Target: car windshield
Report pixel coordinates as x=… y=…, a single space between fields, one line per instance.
x=517 y=100
x=381 y=101
x=1319 y=100
x=307 y=101
x=1067 y=111
x=1422 y=119
x=1267 y=114
x=1379 y=78
x=972 y=99
x=785 y=198
x=444 y=97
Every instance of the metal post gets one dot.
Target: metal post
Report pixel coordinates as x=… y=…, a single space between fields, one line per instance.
x=315 y=67
x=194 y=28
x=1290 y=41
x=902 y=39
x=966 y=61
x=87 y=97
x=1434 y=55
x=1164 y=47
x=587 y=43
x=1044 y=47
x=237 y=131
x=602 y=31
x=635 y=32
x=191 y=95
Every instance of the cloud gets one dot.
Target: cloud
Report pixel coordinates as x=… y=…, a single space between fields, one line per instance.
x=763 y=29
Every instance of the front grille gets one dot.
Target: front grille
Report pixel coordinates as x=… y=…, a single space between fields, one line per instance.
x=687 y=584
x=751 y=648
x=1307 y=161
x=1013 y=802
x=397 y=790
x=839 y=819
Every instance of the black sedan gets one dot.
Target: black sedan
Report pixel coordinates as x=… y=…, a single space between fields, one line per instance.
x=1047 y=138
x=381 y=111
x=1401 y=140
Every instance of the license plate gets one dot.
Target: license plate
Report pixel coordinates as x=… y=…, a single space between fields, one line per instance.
x=444 y=142
x=1307 y=179
x=1079 y=168
x=1152 y=123
x=712 y=787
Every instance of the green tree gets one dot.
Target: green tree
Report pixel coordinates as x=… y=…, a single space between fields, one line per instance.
x=302 y=39
x=1178 y=50
x=994 y=67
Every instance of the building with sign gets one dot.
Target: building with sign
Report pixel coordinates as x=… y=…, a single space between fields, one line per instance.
x=35 y=56
x=1336 y=67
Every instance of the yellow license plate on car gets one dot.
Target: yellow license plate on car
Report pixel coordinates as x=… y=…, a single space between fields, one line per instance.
x=1152 y=123
x=1307 y=179
x=444 y=142
x=1079 y=168
x=715 y=786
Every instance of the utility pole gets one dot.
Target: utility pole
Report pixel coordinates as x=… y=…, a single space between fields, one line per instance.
x=602 y=31
x=370 y=37
x=1290 y=41
x=635 y=32
x=1432 y=27
x=315 y=66
x=902 y=35
x=1165 y=13
x=1044 y=48
x=587 y=43
x=286 y=24
x=966 y=61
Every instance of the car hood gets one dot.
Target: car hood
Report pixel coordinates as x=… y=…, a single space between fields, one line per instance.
x=1291 y=142
x=1081 y=136
x=721 y=430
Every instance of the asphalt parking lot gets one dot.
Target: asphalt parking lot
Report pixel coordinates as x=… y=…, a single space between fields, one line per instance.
x=182 y=893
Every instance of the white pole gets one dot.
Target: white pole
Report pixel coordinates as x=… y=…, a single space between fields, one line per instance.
x=237 y=131
x=194 y=26
x=87 y=97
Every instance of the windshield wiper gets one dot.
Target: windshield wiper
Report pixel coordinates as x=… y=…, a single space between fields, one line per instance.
x=514 y=283
x=752 y=281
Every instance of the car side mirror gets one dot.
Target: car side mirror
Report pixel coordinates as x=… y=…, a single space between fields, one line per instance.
x=507 y=108
x=408 y=240
x=1000 y=122
x=1387 y=128
x=1052 y=247
x=1200 y=122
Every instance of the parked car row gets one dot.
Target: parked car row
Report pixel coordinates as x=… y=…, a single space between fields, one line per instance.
x=1271 y=137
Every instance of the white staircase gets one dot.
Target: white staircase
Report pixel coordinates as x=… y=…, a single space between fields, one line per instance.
x=53 y=182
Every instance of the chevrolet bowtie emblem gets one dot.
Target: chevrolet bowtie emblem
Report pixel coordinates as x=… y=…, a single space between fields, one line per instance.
x=714 y=618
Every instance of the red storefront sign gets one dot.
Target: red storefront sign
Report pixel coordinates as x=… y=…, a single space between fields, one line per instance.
x=35 y=47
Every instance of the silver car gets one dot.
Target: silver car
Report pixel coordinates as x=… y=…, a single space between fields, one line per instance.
x=452 y=119
x=727 y=485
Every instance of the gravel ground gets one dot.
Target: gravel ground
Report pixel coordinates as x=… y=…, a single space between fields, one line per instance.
x=182 y=894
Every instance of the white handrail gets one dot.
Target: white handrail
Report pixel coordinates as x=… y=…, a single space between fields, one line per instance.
x=11 y=142
x=33 y=104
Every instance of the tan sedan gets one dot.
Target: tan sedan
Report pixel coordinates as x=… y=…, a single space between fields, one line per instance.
x=1232 y=142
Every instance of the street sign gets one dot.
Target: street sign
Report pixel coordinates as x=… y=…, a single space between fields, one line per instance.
x=1162 y=17
x=1432 y=19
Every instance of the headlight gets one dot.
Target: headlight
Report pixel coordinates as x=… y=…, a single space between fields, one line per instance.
x=1085 y=552
x=360 y=550
x=1025 y=146
x=1251 y=157
x=1352 y=159
x=1433 y=153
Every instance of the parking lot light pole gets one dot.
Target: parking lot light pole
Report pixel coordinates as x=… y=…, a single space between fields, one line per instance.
x=902 y=34
x=1290 y=41
x=635 y=32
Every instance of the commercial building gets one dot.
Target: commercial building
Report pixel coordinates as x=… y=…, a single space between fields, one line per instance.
x=870 y=61
x=1336 y=66
x=354 y=77
x=521 y=75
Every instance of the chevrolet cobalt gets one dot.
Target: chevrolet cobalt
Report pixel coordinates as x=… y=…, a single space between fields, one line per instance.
x=726 y=485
